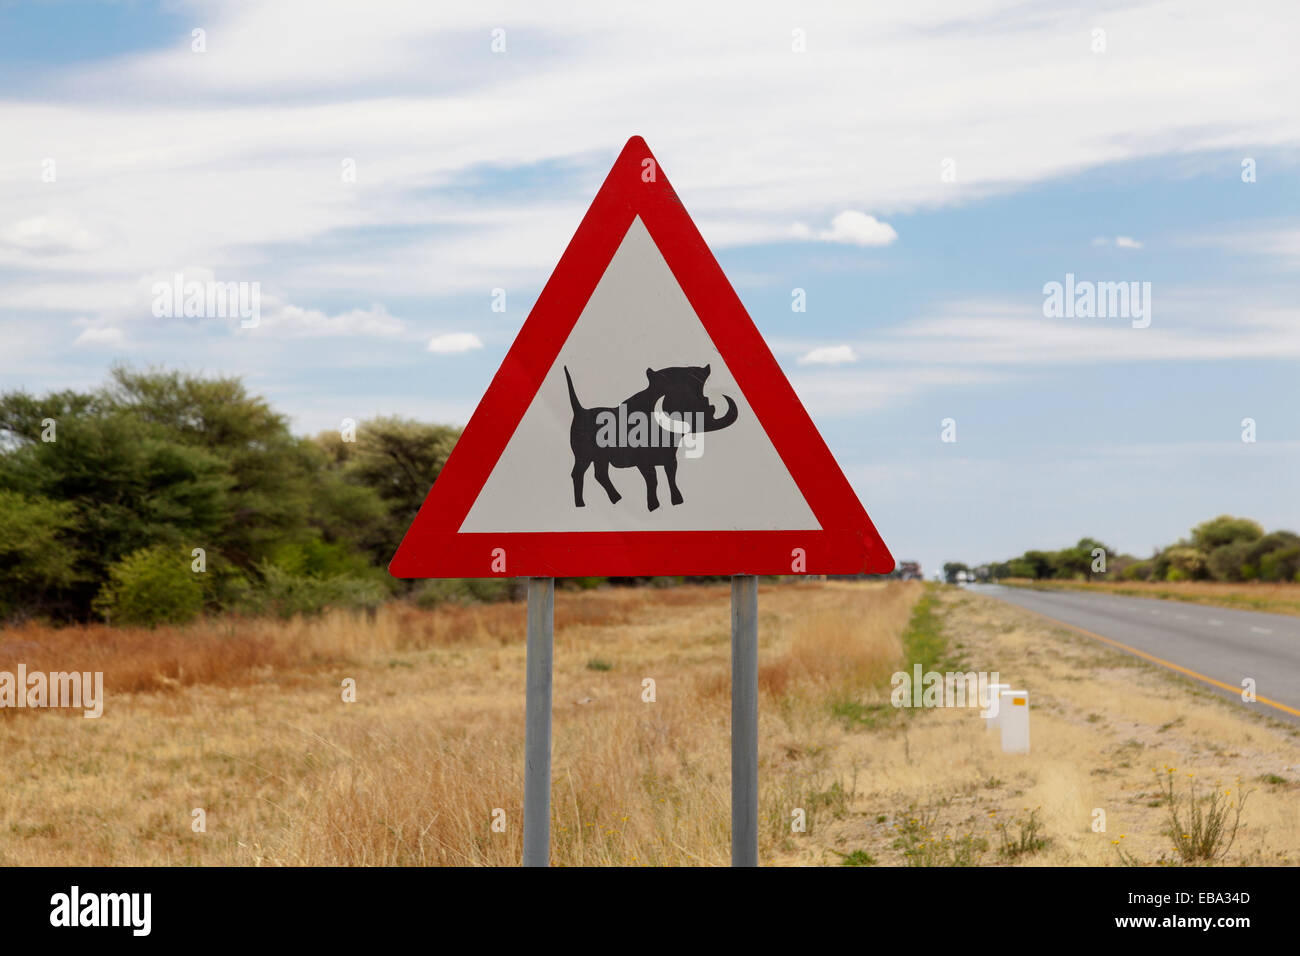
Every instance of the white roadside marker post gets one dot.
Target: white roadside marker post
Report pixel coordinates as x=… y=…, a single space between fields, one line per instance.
x=537 y=722
x=994 y=692
x=1014 y=716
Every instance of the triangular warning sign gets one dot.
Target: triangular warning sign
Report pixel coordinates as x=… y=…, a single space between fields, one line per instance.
x=639 y=425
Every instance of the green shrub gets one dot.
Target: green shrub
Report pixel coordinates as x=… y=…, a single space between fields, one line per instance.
x=1185 y=563
x=1137 y=571
x=1280 y=565
x=1026 y=838
x=1277 y=554
x=152 y=586
x=437 y=591
x=856 y=858
x=1227 y=561
x=285 y=593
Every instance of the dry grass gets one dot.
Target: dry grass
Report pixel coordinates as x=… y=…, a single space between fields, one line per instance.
x=245 y=720
x=1275 y=598
x=232 y=652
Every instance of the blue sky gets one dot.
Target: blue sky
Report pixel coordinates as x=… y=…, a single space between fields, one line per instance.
x=473 y=168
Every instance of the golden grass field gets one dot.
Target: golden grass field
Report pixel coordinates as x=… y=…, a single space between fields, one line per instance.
x=1272 y=598
x=245 y=719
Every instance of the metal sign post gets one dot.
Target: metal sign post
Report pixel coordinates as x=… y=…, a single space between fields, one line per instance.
x=744 y=720
x=537 y=721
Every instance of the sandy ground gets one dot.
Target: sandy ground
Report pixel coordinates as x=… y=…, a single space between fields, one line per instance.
x=1104 y=727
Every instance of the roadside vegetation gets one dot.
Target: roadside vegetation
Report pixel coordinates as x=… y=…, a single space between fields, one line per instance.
x=1270 y=598
x=162 y=495
x=1228 y=561
x=1221 y=549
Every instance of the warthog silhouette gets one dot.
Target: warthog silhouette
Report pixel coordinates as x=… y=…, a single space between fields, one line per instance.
x=644 y=431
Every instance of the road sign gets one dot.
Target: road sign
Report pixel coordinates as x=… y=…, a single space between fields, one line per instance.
x=639 y=425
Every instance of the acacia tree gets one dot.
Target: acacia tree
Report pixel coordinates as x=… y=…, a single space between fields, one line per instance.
x=160 y=458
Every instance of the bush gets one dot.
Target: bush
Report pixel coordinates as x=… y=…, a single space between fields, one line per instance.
x=1228 y=562
x=1203 y=827
x=580 y=584
x=285 y=593
x=1137 y=571
x=1224 y=530
x=465 y=591
x=152 y=586
x=1280 y=565
x=1185 y=563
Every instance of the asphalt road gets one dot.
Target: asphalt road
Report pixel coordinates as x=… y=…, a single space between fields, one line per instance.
x=1216 y=646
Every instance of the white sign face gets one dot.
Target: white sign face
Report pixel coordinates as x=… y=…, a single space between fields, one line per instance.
x=649 y=422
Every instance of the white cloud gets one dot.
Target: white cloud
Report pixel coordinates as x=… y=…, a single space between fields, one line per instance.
x=1266 y=239
x=844 y=391
x=1126 y=242
x=454 y=343
x=829 y=355
x=853 y=227
x=974 y=344
x=1202 y=326
x=292 y=321
x=48 y=236
x=105 y=336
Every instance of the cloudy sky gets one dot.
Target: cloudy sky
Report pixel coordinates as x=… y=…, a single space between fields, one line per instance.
x=920 y=170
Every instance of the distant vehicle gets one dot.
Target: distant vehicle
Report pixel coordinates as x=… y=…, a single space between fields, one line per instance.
x=910 y=570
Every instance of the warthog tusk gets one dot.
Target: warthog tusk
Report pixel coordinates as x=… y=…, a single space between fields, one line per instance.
x=668 y=424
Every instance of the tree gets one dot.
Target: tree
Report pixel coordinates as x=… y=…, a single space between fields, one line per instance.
x=1274 y=557
x=951 y=569
x=1041 y=563
x=126 y=486
x=1224 y=530
x=269 y=470
x=1227 y=562
x=1185 y=563
x=37 y=557
x=1020 y=568
x=398 y=460
x=163 y=458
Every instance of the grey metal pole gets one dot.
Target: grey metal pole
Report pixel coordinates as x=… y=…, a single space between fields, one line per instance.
x=744 y=720
x=537 y=719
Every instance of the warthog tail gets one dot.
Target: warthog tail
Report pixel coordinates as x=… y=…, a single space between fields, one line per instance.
x=573 y=396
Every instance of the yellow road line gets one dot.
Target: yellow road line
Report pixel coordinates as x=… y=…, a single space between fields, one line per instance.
x=1170 y=664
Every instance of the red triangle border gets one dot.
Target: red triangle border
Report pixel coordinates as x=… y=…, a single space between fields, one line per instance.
x=847 y=543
